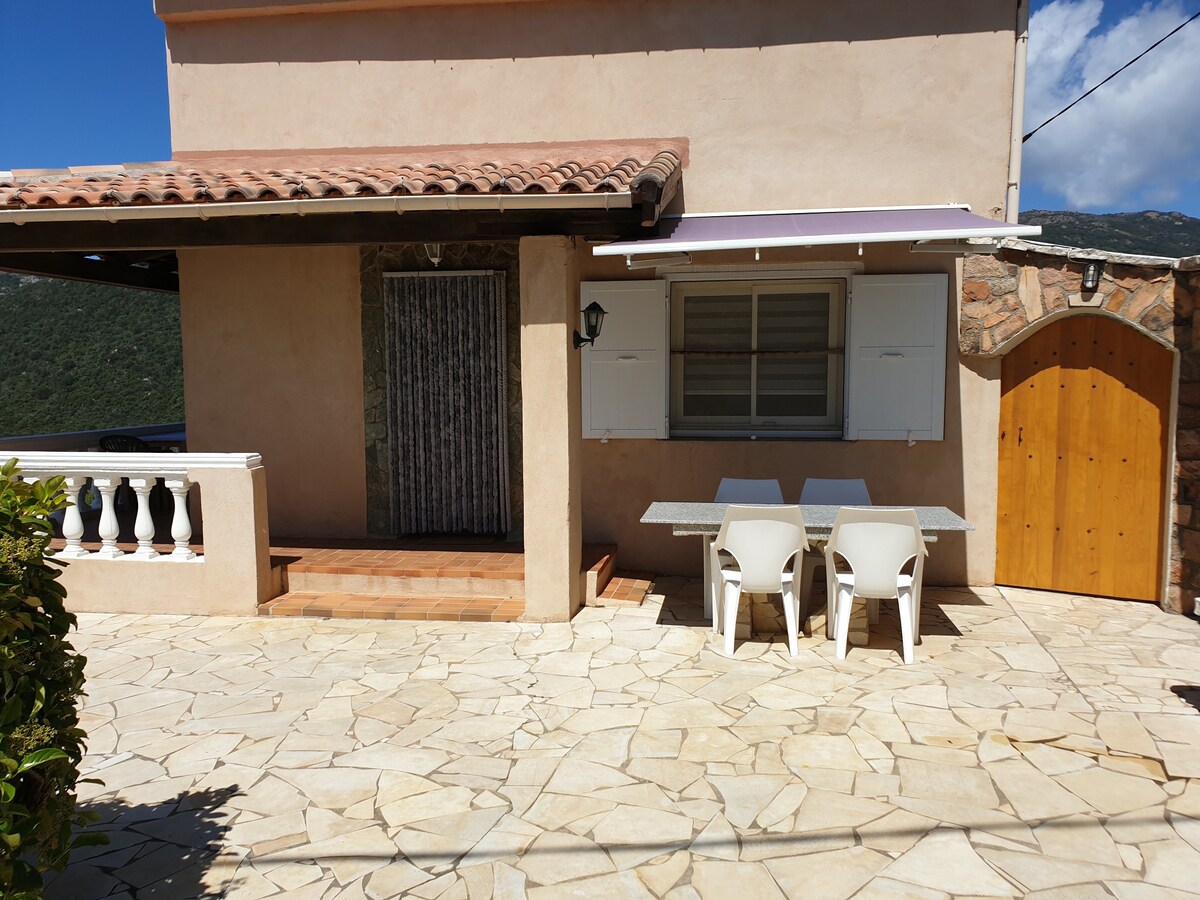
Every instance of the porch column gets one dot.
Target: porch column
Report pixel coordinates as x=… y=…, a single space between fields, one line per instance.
x=551 y=428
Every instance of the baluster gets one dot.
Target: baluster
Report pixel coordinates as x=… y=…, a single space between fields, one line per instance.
x=181 y=523
x=72 y=527
x=143 y=526
x=109 y=529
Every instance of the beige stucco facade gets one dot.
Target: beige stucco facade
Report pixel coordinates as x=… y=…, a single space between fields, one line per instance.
x=622 y=477
x=272 y=358
x=784 y=104
x=776 y=104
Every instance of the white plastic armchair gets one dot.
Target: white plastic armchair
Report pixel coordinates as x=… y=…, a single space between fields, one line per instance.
x=827 y=492
x=734 y=490
x=749 y=490
x=759 y=543
x=877 y=544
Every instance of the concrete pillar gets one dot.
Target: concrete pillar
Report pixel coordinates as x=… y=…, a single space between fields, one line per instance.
x=551 y=428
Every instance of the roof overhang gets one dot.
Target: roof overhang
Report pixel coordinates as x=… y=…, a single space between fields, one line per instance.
x=693 y=233
x=241 y=208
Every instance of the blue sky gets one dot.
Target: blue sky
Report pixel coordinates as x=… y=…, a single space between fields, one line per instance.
x=96 y=93
x=1135 y=143
x=87 y=84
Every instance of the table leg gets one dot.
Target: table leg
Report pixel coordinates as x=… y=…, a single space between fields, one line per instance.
x=712 y=606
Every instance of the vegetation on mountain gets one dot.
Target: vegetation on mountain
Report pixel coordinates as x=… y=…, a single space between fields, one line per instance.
x=76 y=356
x=1146 y=233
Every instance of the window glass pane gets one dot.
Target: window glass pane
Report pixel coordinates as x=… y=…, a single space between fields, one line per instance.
x=716 y=386
x=792 y=385
x=717 y=323
x=793 y=321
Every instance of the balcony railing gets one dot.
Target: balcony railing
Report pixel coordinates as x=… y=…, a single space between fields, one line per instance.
x=235 y=574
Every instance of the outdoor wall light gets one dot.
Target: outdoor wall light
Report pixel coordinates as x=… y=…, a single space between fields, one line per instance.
x=434 y=252
x=593 y=321
x=1091 y=274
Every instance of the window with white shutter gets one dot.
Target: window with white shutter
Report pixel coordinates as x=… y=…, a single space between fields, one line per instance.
x=625 y=371
x=756 y=357
x=896 y=357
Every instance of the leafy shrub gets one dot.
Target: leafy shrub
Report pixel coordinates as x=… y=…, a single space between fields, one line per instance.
x=41 y=681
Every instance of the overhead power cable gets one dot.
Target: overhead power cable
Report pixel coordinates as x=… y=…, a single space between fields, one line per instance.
x=1179 y=28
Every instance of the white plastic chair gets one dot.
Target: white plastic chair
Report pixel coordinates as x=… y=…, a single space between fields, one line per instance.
x=877 y=544
x=760 y=543
x=827 y=492
x=749 y=490
x=732 y=490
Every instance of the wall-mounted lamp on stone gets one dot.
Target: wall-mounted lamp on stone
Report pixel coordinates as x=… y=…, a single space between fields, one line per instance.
x=1091 y=274
x=593 y=321
x=434 y=252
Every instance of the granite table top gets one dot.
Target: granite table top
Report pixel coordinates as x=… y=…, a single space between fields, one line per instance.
x=699 y=517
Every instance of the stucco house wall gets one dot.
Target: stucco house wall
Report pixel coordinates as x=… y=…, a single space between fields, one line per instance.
x=273 y=364
x=785 y=103
x=781 y=104
x=622 y=477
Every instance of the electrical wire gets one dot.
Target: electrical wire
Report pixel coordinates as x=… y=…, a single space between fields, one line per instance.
x=1181 y=26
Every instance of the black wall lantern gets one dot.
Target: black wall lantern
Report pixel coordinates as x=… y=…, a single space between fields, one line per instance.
x=593 y=321
x=1092 y=271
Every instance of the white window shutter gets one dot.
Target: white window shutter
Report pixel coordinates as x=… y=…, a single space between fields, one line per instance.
x=896 y=357
x=625 y=373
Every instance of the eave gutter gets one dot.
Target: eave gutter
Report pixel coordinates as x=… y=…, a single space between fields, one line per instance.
x=244 y=208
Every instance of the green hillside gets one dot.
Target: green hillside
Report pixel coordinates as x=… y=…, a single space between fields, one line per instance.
x=77 y=356
x=1147 y=233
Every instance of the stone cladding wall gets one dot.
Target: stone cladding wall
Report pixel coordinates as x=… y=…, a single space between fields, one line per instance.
x=1008 y=296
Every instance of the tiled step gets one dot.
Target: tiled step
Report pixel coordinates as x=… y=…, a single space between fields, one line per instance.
x=363 y=606
x=625 y=589
x=497 y=571
x=491 y=571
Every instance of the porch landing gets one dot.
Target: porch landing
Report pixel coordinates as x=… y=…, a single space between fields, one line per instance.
x=427 y=580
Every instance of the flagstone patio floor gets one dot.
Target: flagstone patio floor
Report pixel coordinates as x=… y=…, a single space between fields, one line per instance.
x=1042 y=745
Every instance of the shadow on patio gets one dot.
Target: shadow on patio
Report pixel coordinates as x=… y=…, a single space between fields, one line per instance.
x=170 y=848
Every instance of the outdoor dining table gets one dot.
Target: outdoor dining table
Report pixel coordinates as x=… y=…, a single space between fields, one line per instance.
x=705 y=518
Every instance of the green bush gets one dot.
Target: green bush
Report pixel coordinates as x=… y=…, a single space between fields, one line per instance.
x=41 y=681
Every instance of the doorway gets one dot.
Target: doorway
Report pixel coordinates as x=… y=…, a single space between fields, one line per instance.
x=1084 y=434
x=447 y=407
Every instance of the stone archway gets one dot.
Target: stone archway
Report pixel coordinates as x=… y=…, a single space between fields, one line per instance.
x=1010 y=297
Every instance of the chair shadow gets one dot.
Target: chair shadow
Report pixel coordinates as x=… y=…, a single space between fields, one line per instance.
x=1188 y=693
x=155 y=849
x=683 y=606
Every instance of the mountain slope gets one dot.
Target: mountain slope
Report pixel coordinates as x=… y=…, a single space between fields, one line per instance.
x=77 y=356
x=1148 y=233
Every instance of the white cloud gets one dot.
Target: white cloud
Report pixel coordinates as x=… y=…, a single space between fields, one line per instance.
x=1136 y=141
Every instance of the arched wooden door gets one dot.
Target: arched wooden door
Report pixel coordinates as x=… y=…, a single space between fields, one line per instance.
x=1084 y=418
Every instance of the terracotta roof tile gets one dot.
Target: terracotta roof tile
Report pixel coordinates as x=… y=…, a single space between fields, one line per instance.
x=181 y=183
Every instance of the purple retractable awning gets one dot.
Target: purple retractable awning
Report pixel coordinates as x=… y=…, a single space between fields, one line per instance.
x=734 y=231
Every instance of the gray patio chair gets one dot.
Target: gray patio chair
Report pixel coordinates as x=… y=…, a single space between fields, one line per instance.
x=749 y=490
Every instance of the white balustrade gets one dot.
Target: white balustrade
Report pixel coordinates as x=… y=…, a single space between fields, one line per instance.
x=181 y=523
x=106 y=473
x=143 y=526
x=109 y=529
x=72 y=527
